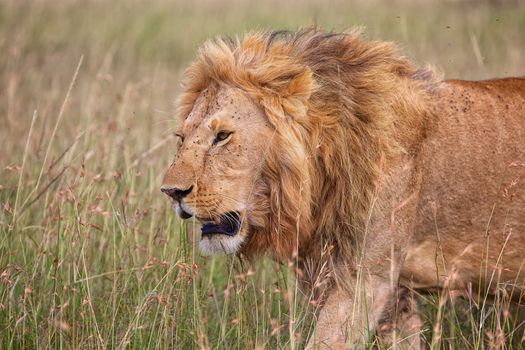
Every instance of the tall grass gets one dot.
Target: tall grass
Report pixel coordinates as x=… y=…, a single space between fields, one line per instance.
x=91 y=254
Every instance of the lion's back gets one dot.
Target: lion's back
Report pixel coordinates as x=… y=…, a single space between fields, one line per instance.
x=473 y=177
x=475 y=145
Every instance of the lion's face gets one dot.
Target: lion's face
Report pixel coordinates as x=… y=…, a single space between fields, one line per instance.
x=216 y=173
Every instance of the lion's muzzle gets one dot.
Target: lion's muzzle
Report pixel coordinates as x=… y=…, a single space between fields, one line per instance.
x=230 y=224
x=176 y=193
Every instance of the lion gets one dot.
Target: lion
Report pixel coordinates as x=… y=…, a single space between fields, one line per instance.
x=371 y=173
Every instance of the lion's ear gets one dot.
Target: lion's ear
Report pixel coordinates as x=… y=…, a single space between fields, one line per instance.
x=300 y=86
x=296 y=93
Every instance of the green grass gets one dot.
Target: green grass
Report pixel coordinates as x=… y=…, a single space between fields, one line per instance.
x=91 y=255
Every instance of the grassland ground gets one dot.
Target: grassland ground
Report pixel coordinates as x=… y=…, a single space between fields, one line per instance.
x=91 y=254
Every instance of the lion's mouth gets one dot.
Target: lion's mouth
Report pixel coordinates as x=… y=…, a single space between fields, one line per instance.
x=229 y=224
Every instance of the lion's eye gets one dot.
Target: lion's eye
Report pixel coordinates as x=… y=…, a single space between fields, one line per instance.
x=221 y=136
x=181 y=138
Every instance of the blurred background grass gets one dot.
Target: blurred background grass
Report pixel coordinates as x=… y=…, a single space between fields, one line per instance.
x=91 y=255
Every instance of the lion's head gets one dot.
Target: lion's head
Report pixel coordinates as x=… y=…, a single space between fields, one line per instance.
x=216 y=175
x=279 y=138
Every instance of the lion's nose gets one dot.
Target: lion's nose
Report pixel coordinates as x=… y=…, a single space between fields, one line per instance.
x=176 y=193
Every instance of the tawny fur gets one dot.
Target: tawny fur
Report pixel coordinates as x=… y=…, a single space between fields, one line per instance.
x=338 y=104
x=368 y=170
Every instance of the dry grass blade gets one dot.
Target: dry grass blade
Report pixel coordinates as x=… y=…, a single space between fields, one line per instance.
x=44 y=190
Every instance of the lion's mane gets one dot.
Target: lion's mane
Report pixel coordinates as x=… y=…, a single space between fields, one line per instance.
x=342 y=109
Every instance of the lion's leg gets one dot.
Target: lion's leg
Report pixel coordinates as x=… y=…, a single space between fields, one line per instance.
x=400 y=326
x=349 y=319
